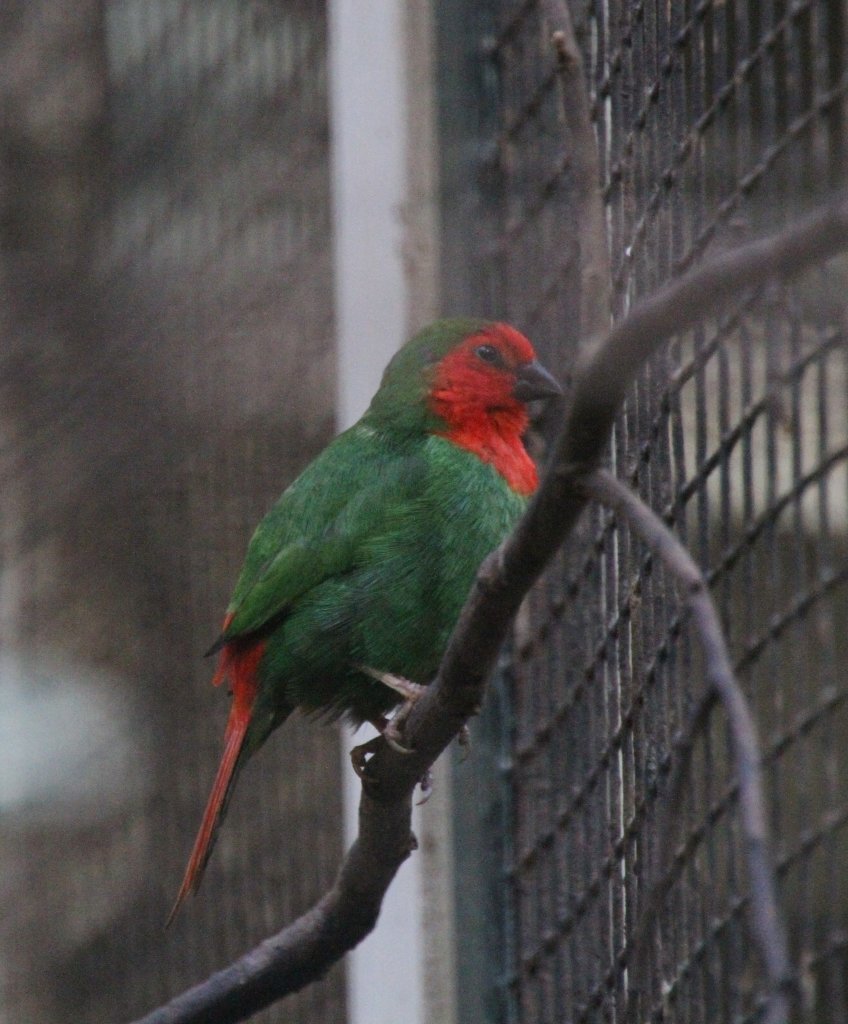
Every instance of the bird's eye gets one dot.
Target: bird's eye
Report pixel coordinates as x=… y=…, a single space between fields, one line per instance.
x=489 y=354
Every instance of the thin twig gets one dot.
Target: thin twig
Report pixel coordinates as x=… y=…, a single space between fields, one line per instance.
x=768 y=926
x=280 y=965
x=585 y=184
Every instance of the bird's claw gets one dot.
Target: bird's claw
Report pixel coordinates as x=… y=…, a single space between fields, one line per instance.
x=359 y=755
x=411 y=693
x=389 y=731
x=392 y=736
x=392 y=731
x=464 y=739
x=426 y=784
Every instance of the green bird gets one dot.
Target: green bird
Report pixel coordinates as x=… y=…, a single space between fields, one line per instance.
x=359 y=572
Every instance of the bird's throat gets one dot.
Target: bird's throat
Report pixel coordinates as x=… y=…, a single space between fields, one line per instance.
x=497 y=441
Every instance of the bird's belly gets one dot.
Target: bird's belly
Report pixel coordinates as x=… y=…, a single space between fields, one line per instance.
x=397 y=620
x=312 y=660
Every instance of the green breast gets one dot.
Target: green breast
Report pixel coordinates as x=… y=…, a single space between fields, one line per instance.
x=396 y=607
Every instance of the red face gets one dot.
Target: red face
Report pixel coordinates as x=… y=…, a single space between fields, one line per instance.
x=479 y=391
x=482 y=373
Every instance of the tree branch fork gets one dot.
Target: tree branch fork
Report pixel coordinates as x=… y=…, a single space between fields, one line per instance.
x=307 y=948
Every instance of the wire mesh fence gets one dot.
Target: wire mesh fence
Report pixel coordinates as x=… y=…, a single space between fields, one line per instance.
x=714 y=122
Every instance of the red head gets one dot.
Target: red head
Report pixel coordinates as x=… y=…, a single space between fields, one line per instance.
x=479 y=389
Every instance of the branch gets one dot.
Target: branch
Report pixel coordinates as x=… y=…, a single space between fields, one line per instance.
x=309 y=946
x=305 y=950
x=585 y=191
x=768 y=926
x=601 y=381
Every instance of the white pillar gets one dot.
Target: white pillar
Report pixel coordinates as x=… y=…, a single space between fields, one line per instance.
x=385 y=217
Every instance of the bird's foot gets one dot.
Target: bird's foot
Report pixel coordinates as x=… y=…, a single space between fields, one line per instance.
x=393 y=734
x=359 y=755
x=389 y=732
x=411 y=693
x=405 y=687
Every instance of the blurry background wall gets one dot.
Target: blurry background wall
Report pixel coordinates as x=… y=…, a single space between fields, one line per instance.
x=166 y=366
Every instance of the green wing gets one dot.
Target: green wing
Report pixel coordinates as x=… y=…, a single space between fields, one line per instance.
x=295 y=570
x=318 y=527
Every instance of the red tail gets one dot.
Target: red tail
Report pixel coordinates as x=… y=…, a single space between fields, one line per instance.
x=238 y=663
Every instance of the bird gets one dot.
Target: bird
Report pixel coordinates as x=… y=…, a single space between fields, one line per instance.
x=354 y=580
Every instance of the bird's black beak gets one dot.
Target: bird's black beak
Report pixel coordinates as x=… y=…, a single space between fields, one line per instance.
x=534 y=381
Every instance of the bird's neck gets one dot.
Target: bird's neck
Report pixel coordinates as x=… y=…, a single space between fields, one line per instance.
x=495 y=437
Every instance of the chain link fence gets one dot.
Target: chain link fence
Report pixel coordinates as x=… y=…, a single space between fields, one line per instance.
x=715 y=122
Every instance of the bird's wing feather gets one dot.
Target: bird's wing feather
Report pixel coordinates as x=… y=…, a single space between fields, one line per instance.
x=296 y=569
x=318 y=527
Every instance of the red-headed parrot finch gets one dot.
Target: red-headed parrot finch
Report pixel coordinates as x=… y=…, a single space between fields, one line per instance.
x=366 y=560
